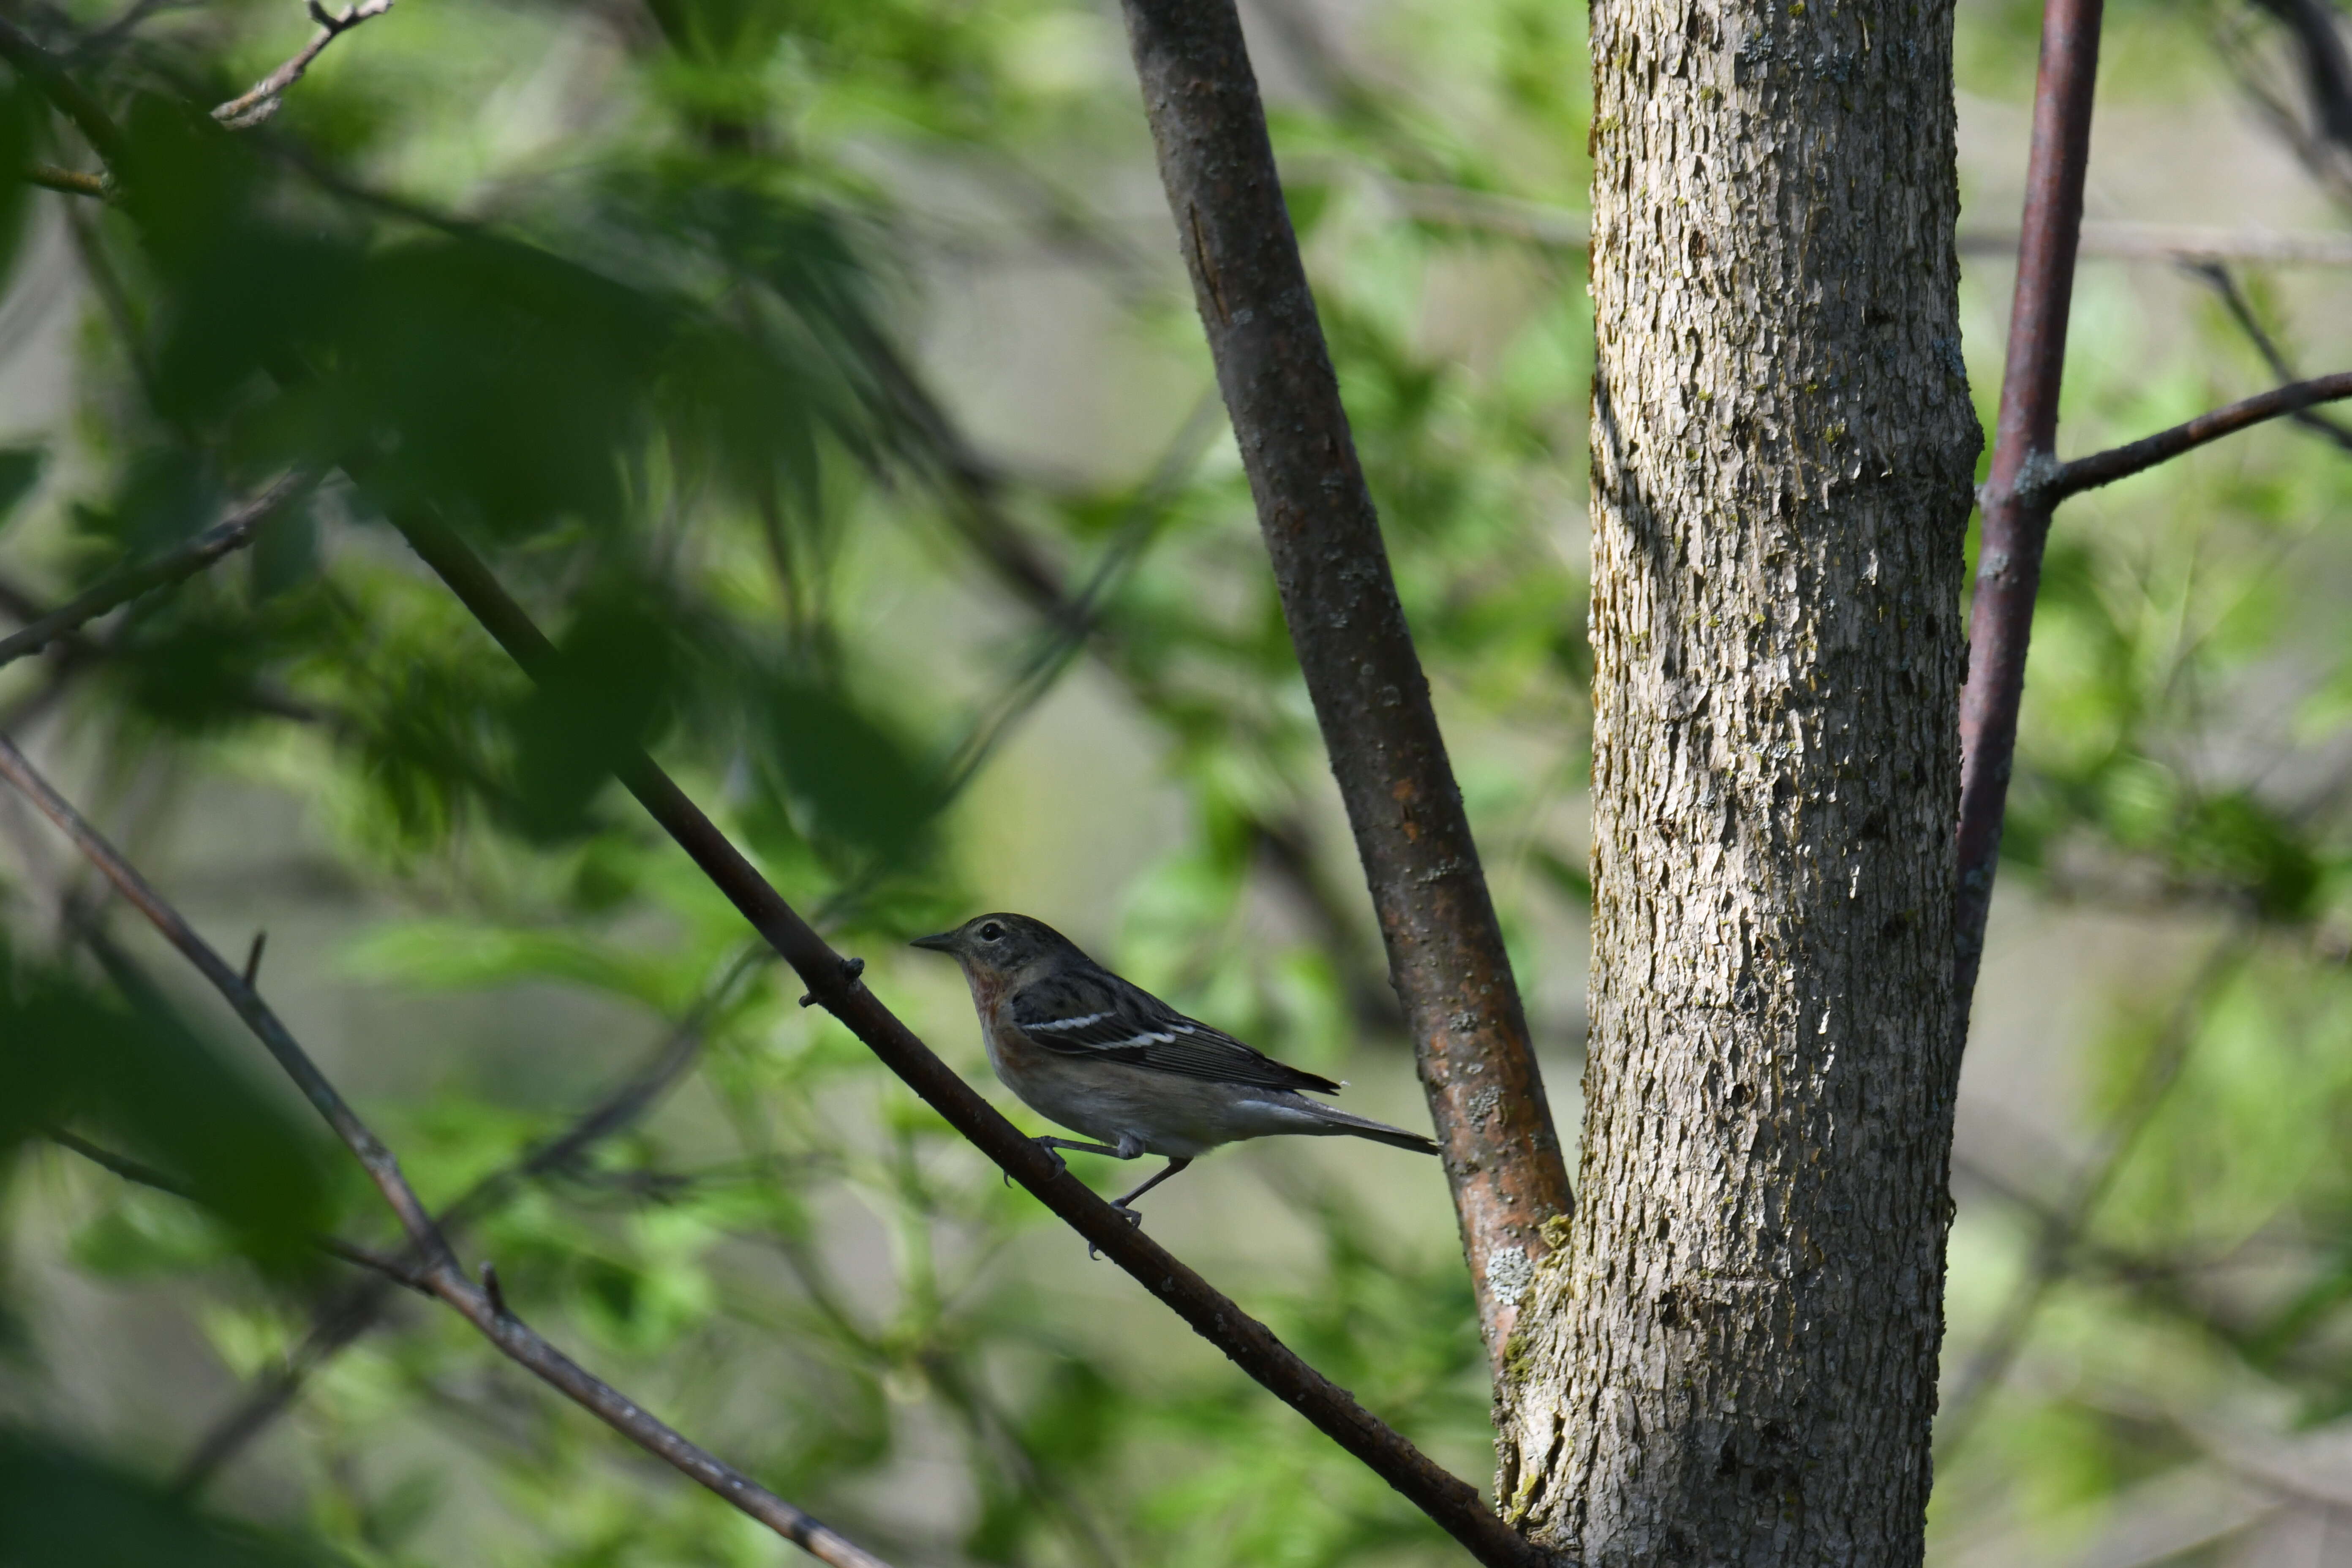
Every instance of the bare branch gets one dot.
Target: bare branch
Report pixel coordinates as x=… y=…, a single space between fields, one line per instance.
x=2122 y=462
x=382 y=1169
x=2217 y=277
x=338 y=1324
x=395 y=1269
x=48 y=74
x=439 y=1271
x=72 y=181
x=232 y=533
x=833 y=982
x=1446 y=954
x=2015 y=510
x=250 y=108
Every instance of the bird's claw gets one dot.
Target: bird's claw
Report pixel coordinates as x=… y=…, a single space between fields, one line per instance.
x=1061 y=1166
x=1134 y=1218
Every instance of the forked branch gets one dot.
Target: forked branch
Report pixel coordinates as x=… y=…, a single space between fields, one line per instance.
x=2027 y=480
x=2016 y=501
x=259 y=103
x=437 y=1269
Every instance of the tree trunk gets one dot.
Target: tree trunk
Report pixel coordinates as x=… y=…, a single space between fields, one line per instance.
x=1733 y=1359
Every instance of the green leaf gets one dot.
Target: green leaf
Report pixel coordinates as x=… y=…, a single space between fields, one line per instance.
x=56 y=1507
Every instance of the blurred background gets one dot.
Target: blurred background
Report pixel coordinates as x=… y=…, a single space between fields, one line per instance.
x=823 y=376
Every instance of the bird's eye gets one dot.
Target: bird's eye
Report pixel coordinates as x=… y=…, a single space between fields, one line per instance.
x=990 y=931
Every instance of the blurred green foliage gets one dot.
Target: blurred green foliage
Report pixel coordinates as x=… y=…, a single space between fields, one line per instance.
x=636 y=298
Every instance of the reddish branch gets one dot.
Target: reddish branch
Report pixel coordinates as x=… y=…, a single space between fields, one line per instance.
x=436 y=1271
x=1446 y=948
x=833 y=983
x=2027 y=480
x=2017 y=498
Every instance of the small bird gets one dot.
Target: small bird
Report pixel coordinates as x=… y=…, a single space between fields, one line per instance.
x=1110 y=1059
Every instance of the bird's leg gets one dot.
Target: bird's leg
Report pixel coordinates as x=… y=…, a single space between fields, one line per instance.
x=1122 y=1150
x=1061 y=1166
x=1127 y=1204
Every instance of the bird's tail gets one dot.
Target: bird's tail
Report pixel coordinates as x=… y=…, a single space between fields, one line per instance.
x=1336 y=1122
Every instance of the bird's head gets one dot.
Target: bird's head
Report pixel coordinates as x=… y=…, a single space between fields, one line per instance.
x=1000 y=945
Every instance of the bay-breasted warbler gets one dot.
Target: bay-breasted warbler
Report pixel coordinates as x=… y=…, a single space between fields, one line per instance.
x=1087 y=1049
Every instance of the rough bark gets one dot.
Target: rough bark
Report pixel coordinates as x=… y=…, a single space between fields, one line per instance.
x=1323 y=537
x=1733 y=1358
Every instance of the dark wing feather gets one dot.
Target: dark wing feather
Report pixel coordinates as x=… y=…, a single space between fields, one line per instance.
x=1094 y=1012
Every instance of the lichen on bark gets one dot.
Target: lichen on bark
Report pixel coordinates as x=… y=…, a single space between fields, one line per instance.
x=1734 y=1358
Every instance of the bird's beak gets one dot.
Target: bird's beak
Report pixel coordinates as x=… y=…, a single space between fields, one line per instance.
x=943 y=943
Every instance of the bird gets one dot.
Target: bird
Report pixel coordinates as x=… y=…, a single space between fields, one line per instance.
x=1102 y=1055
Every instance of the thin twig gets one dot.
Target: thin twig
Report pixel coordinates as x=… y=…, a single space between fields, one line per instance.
x=439 y=1269
x=72 y=181
x=2064 y=1225
x=338 y=1325
x=833 y=982
x=232 y=533
x=136 y=1171
x=2218 y=278
x=250 y=108
x=2122 y=462
x=376 y=1159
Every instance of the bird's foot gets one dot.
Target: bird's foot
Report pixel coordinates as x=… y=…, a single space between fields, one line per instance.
x=1134 y=1219
x=1061 y=1166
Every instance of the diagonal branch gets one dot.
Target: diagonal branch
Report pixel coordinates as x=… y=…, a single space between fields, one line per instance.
x=833 y=983
x=232 y=533
x=338 y=1324
x=1445 y=950
x=480 y=1305
x=2122 y=462
x=251 y=108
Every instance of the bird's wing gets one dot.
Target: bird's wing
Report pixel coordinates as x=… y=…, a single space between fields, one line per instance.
x=1097 y=1014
